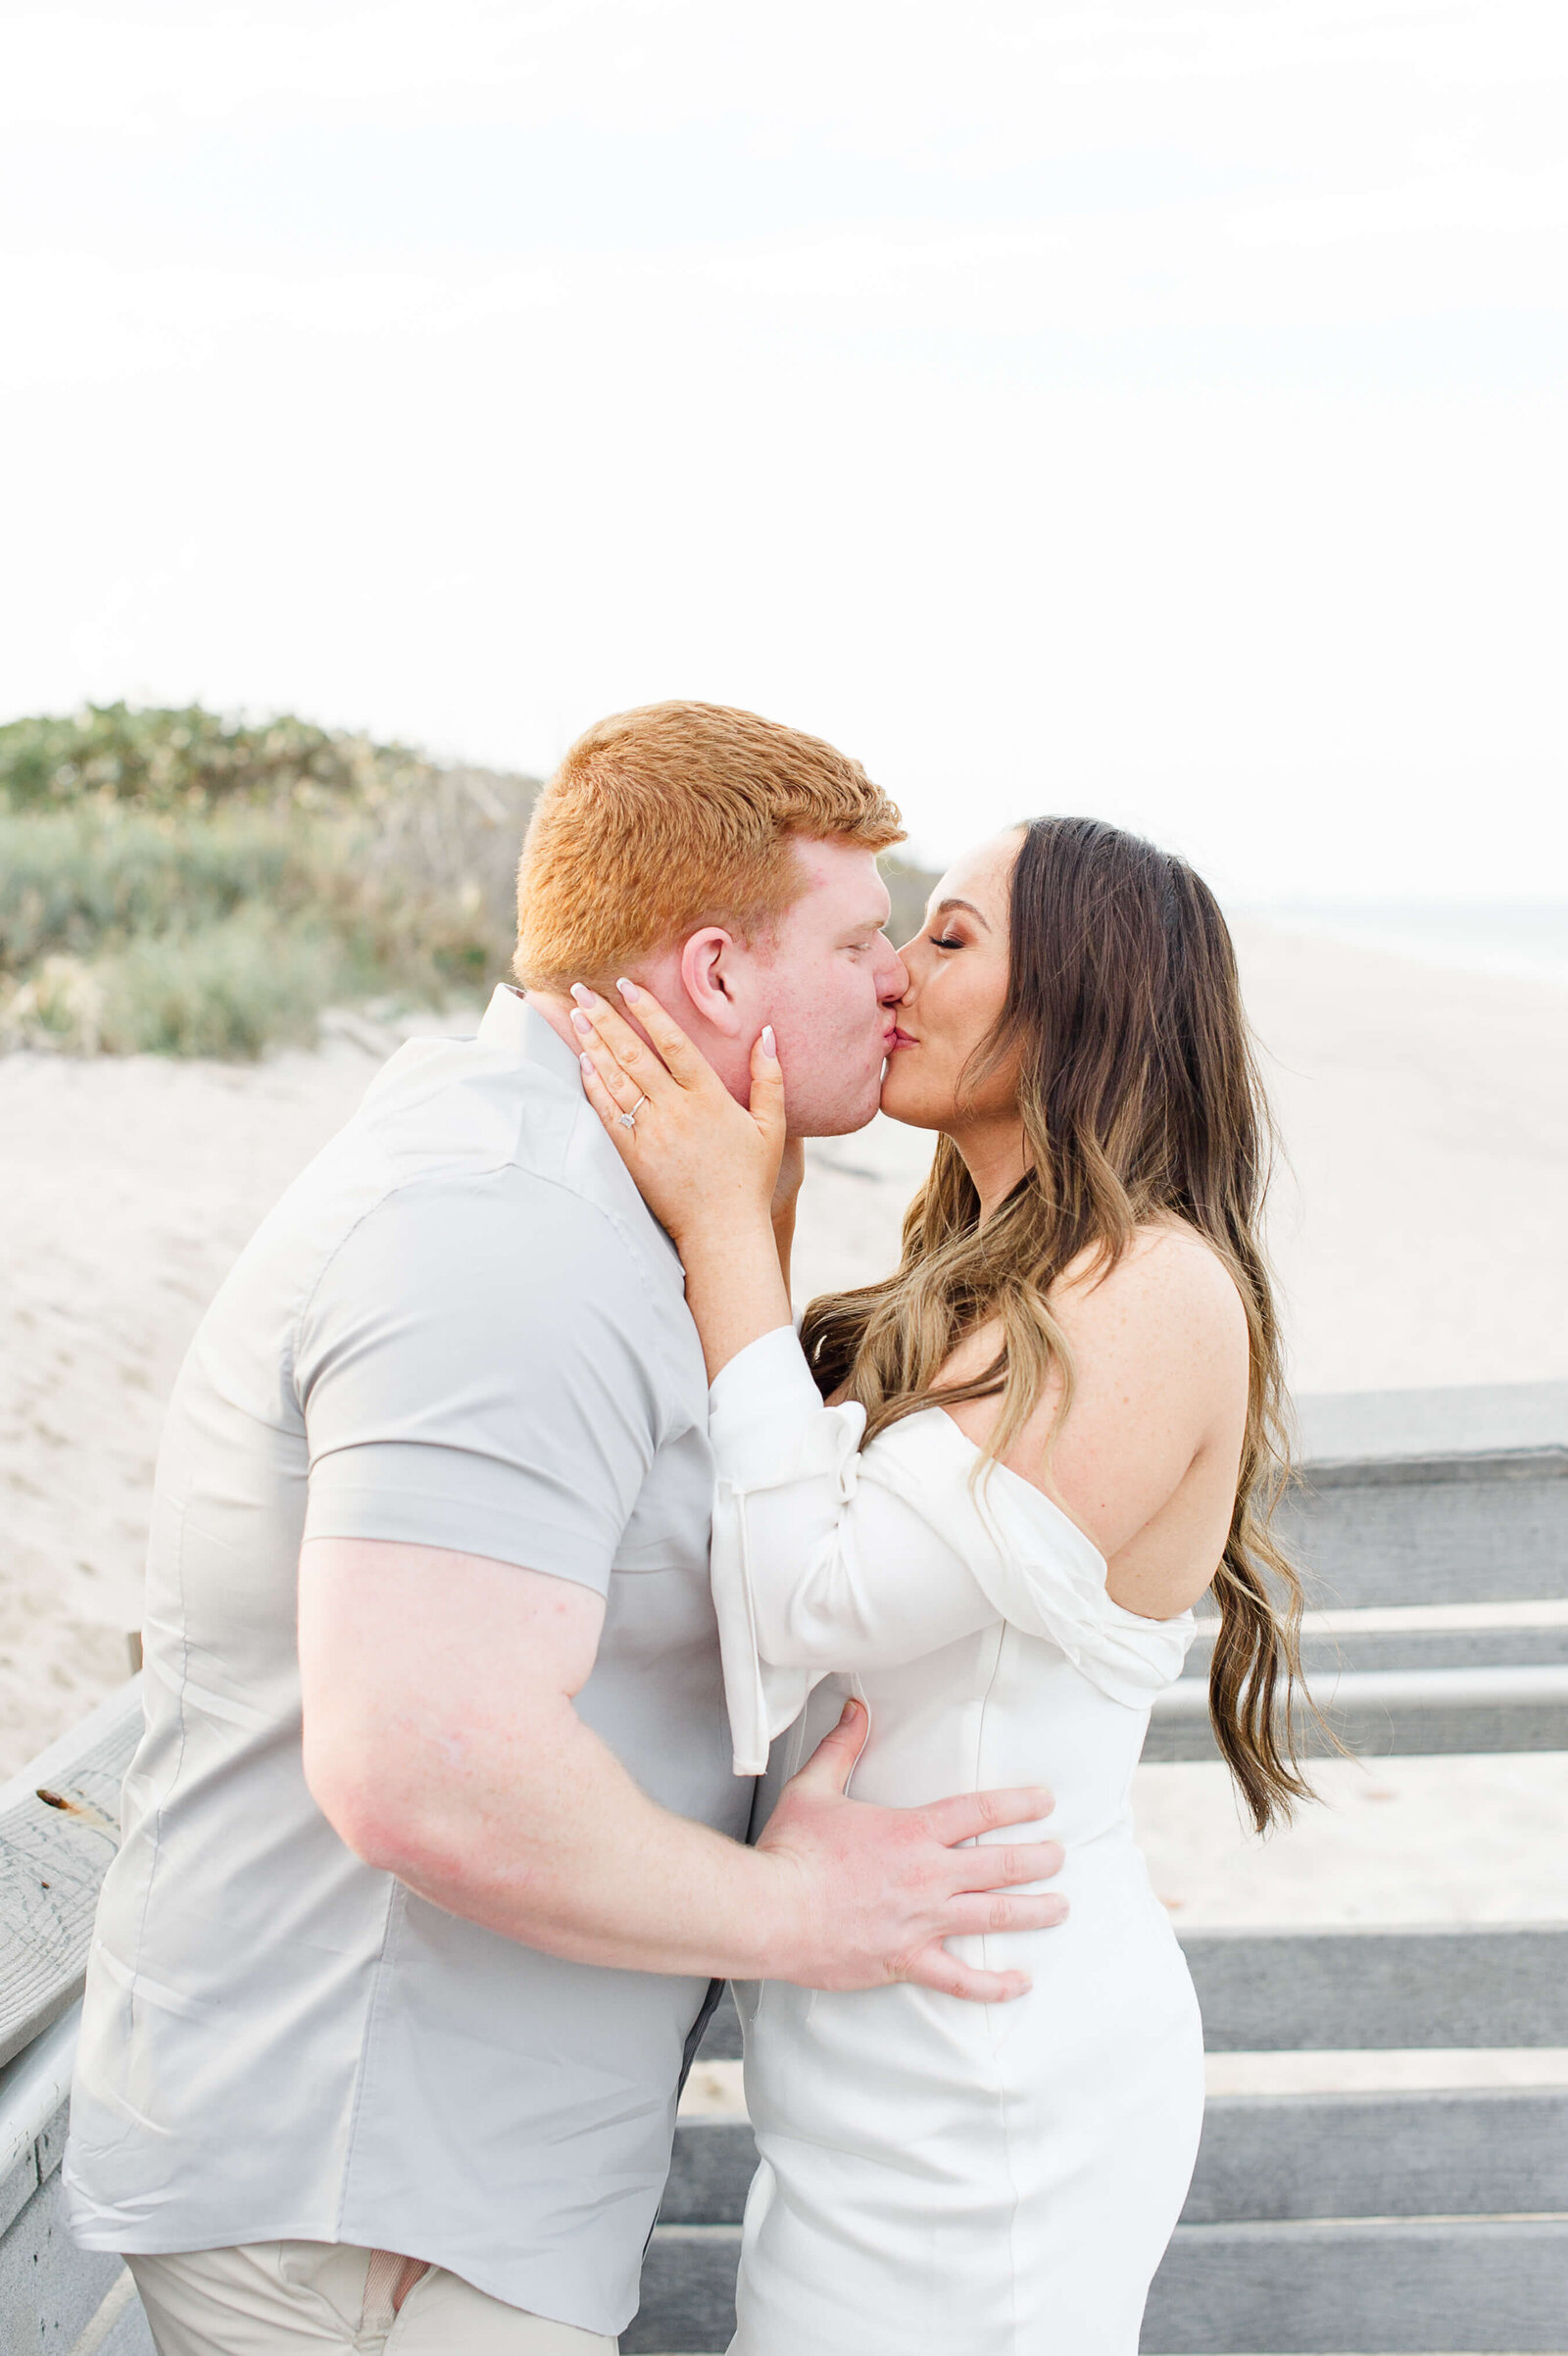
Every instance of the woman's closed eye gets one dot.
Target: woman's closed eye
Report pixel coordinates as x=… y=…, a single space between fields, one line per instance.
x=947 y=941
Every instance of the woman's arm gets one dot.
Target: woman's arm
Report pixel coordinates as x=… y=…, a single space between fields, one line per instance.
x=839 y=1571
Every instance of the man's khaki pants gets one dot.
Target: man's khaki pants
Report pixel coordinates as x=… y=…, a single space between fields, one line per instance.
x=272 y=2295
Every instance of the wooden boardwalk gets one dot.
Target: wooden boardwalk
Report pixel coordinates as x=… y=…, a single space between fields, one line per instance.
x=1409 y=2224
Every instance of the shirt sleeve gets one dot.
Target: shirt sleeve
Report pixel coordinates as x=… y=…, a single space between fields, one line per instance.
x=818 y=1564
x=477 y=1370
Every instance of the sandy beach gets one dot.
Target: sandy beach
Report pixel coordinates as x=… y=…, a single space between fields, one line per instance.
x=1425 y=1120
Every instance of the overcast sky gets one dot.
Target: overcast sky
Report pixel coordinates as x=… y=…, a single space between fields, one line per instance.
x=1149 y=409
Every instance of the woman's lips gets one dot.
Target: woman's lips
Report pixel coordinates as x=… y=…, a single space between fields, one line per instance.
x=898 y=1039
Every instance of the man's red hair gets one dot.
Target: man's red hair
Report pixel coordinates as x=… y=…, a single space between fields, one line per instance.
x=675 y=817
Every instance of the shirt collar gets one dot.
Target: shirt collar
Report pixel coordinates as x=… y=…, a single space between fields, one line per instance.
x=511 y=1023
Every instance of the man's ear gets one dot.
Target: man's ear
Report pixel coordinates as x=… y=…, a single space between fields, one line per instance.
x=708 y=963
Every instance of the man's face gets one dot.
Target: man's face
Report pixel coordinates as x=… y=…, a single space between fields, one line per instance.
x=827 y=982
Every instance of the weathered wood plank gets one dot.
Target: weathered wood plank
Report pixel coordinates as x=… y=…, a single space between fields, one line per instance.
x=721 y=2038
x=1408 y=2288
x=1404 y=1712
x=122 y=2323
x=709 y=2172
x=34 y=2089
x=49 y=2288
x=1492 y=2153
x=688 y=2298
x=53 y=1852
x=1462 y=2154
x=1418 y=1648
x=16 y=2188
x=1445 y=1532
x=1375 y=1426
x=1380 y=1989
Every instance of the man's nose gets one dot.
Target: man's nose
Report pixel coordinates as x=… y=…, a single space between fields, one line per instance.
x=892 y=981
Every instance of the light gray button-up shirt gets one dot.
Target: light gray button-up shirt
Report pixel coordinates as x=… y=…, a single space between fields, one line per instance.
x=460 y=1328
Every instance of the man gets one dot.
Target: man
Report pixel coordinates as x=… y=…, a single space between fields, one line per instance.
x=432 y=1846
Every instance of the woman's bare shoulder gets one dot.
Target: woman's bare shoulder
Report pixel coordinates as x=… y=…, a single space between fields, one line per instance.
x=1168 y=1275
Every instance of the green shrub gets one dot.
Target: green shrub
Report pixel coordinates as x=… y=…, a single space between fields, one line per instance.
x=173 y=881
x=75 y=881
x=193 y=759
x=231 y=989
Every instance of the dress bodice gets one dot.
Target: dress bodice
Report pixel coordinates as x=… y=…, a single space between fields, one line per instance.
x=828 y=1558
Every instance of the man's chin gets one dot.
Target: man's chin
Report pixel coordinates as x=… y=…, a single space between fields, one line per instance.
x=841 y=1121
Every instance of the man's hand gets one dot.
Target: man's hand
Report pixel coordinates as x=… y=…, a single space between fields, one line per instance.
x=442 y=1746
x=884 y=1886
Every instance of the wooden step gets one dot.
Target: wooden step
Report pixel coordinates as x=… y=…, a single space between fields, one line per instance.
x=1486 y=2153
x=1465 y=2153
x=1380 y=1713
x=688 y=2297
x=1409 y=1988
x=1405 y=2287
x=1419 y=2286
x=1500 y=1647
x=1380 y=1989
x=1439 y=1496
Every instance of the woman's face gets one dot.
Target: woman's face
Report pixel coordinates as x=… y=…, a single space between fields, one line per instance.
x=958 y=968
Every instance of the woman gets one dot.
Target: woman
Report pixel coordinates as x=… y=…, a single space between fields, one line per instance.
x=1047 y=1432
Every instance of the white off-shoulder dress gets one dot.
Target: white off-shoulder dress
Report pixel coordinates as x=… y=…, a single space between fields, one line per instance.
x=983 y=2180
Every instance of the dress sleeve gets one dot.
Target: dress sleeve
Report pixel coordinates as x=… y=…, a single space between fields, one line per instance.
x=817 y=1563
x=827 y=1558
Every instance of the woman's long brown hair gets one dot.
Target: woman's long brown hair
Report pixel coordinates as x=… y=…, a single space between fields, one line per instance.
x=1141 y=1102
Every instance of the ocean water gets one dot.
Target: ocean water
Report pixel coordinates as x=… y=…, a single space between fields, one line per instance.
x=1526 y=938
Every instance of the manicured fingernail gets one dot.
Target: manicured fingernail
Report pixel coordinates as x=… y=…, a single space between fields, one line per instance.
x=587 y=1063
x=580 y=1023
x=628 y=991
x=768 y=1049
x=584 y=997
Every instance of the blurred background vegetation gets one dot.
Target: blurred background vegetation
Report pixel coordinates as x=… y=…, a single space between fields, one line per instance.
x=202 y=886
x=195 y=885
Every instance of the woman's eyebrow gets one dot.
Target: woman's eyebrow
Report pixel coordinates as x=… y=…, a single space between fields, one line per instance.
x=942 y=907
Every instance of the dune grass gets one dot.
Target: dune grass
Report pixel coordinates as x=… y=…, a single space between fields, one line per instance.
x=172 y=882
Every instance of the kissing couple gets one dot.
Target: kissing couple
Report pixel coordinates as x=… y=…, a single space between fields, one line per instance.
x=541 y=1631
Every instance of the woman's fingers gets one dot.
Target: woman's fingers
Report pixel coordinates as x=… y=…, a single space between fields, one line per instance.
x=599 y=1026
x=688 y=1064
x=607 y=1102
x=767 y=1088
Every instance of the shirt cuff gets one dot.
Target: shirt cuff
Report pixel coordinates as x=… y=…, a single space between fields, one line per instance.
x=760 y=1406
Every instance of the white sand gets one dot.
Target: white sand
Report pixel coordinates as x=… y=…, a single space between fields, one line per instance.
x=1426 y=1116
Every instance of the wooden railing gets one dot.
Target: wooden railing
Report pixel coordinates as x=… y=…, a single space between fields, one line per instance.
x=59 y=1822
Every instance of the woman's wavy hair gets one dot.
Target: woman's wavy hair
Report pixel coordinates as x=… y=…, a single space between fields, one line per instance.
x=1141 y=1101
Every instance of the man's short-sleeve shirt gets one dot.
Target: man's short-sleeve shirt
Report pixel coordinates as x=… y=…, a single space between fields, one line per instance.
x=460 y=1328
